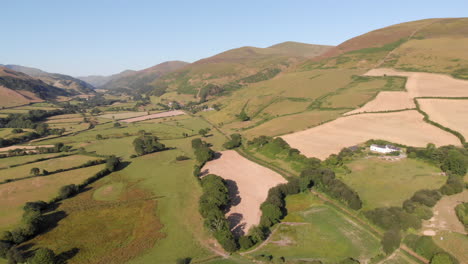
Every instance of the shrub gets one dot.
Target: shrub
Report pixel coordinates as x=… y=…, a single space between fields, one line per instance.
x=43 y=256
x=245 y=242
x=442 y=258
x=182 y=157
x=68 y=191
x=391 y=241
x=234 y=142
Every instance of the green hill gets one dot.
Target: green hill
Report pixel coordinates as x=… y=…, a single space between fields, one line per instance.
x=55 y=79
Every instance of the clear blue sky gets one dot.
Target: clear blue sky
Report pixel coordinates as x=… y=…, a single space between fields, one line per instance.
x=107 y=36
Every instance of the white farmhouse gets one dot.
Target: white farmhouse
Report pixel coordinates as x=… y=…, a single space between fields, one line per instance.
x=383 y=149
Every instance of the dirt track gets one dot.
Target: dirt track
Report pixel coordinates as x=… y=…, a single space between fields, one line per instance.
x=24 y=147
x=406 y=127
x=249 y=184
x=445 y=217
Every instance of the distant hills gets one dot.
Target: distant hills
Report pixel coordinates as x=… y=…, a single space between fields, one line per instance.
x=54 y=79
x=17 y=88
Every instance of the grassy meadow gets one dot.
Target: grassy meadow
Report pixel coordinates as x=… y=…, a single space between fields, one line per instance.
x=317 y=231
x=382 y=183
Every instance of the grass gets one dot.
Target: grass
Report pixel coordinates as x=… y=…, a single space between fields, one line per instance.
x=454 y=243
x=399 y=258
x=6 y=162
x=49 y=165
x=382 y=183
x=109 y=192
x=320 y=233
x=15 y=194
x=104 y=231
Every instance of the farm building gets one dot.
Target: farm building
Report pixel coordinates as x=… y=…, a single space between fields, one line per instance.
x=383 y=149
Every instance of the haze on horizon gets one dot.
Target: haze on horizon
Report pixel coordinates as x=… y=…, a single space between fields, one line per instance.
x=82 y=38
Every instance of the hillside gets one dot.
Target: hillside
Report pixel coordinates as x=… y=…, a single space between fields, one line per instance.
x=17 y=88
x=234 y=68
x=141 y=79
x=430 y=45
x=100 y=80
x=54 y=79
x=323 y=88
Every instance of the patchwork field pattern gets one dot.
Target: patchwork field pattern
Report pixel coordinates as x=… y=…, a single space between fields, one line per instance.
x=386 y=101
x=406 y=127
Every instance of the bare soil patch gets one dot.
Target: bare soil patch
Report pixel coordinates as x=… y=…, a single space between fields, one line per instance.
x=153 y=116
x=386 y=101
x=422 y=84
x=406 y=127
x=445 y=217
x=252 y=183
x=447 y=112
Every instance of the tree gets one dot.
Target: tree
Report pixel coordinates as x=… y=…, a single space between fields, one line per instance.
x=234 y=142
x=35 y=171
x=43 y=256
x=4 y=248
x=99 y=137
x=117 y=124
x=68 y=191
x=183 y=261
x=95 y=111
x=243 y=116
x=147 y=144
x=204 y=132
x=245 y=242
x=112 y=163
x=391 y=241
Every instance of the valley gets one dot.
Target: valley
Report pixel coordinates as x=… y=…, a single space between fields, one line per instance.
x=253 y=155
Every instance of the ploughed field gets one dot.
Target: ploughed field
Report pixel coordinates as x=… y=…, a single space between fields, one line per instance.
x=248 y=183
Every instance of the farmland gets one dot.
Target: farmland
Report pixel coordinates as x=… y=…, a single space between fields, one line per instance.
x=382 y=183
x=386 y=101
x=402 y=127
x=317 y=231
x=449 y=113
x=239 y=172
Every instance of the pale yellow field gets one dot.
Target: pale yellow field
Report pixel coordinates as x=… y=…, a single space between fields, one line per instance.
x=427 y=84
x=406 y=127
x=252 y=180
x=125 y=115
x=24 y=147
x=15 y=194
x=153 y=116
x=449 y=113
x=386 y=101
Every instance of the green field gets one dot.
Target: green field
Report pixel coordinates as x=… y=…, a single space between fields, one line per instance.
x=382 y=183
x=49 y=165
x=15 y=194
x=319 y=232
x=454 y=243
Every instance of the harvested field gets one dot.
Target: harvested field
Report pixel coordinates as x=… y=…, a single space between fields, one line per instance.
x=406 y=127
x=125 y=115
x=450 y=113
x=24 y=147
x=249 y=181
x=445 y=217
x=421 y=84
x=386 y=101
x=153 y=116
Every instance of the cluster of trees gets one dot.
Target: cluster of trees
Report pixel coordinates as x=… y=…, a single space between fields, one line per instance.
x=213 y=203
x=204 y=132
x=202 y=150
x=234 y=142
x=326 y=181
x=393 y=218
x=277 y=148
x=450 y=159
x=421 y=203
x=146 y=144
x=261 y=76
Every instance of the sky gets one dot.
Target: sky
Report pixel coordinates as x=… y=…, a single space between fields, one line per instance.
x=102 y=37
